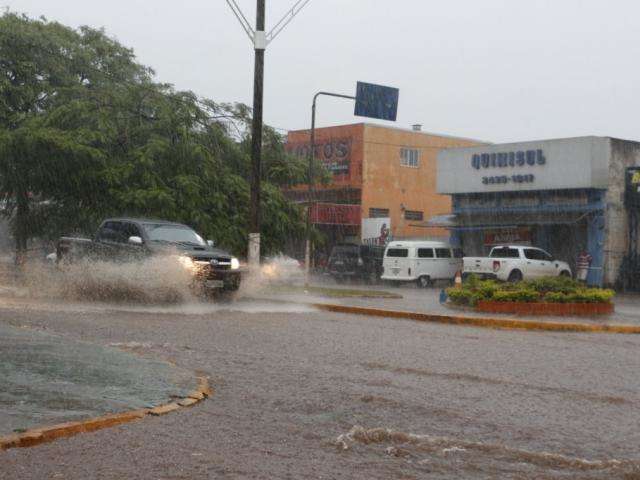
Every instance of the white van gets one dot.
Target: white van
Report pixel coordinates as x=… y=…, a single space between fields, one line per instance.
x=421 y=261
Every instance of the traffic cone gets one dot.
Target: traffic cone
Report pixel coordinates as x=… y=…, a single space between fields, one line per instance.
x=458 y=279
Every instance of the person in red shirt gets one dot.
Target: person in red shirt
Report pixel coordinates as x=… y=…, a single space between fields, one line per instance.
x=583 y=262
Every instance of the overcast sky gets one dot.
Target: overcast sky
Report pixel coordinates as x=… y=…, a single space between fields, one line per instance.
x=497 y=70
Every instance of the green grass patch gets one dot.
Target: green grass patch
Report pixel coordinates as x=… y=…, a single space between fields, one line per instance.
x=335 y=292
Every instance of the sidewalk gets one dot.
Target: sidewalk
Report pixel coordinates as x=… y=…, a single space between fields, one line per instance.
x=47 y=379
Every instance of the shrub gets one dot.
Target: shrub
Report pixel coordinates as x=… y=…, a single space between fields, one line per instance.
x=487 y=289
x=523 y=295
x=471 y=281
x=554 y=284
x=555 y=297
x=582 y=295
x=462 y=296
x=548 y=289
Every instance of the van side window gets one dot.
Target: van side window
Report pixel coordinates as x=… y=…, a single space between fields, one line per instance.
x=458 y=253
x=398 y=252
x=425 y=253
x=443 y=253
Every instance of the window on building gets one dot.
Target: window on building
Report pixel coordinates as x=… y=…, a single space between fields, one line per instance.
x=425 y=253
x=410 y=157
x=413 y=215
x=443 y=253
x=378 y=212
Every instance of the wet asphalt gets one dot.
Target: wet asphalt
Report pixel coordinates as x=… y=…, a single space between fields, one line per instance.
x=433 y=401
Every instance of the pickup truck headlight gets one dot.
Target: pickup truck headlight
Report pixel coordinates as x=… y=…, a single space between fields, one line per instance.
x=187 y=263
x=235 y=263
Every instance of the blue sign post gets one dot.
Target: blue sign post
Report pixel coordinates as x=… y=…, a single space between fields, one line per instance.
x=373 y=101
x=376 y=101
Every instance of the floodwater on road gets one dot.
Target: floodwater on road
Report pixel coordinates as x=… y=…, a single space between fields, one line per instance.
x=304 y=394
x=47 y=379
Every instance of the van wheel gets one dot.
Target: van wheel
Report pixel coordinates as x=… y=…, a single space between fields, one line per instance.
x=565 y=274
x=515 y=276
x=424 y=281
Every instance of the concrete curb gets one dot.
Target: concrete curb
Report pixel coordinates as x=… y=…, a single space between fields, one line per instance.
x=496 y=323
x=37 y=436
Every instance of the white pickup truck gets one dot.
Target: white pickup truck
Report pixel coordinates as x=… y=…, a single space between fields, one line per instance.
x=514 y=263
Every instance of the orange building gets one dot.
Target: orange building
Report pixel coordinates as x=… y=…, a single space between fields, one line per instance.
x=381 y=178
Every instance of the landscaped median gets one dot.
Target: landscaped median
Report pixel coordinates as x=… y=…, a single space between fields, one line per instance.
x=545 y=296
x=330 y=292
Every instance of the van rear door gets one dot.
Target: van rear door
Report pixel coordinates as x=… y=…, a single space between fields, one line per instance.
x=397 y=262
x=445 y=263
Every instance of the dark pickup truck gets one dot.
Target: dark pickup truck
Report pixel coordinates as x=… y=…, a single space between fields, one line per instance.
x=130 y=240
x=351 y=261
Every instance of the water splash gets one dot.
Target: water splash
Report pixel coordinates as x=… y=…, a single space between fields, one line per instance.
x=161 y=279
x=414 y=444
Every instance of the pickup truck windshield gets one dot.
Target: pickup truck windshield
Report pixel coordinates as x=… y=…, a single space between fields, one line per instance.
x=172 y=233
x=501 y=252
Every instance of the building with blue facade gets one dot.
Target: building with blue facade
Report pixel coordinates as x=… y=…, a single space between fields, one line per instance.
x=561 y=195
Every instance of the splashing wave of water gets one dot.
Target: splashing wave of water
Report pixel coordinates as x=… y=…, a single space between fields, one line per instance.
x=408 y=444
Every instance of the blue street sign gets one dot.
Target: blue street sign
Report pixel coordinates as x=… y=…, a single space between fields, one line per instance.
x=376 y=101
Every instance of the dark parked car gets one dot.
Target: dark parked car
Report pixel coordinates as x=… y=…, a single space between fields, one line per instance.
x=363 y=262
x=129 y=240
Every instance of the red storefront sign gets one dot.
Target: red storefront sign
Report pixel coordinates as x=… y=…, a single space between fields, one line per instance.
x=507 y=236
x=335 y=214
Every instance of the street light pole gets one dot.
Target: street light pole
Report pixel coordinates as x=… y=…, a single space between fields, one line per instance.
x=256 y=136
x=312 y=146
x=260 y=40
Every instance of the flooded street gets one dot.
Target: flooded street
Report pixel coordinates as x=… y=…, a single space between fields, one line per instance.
x=306 y=394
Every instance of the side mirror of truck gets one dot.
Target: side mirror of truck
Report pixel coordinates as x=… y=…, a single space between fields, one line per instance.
x=135 y=240
x=211 y=243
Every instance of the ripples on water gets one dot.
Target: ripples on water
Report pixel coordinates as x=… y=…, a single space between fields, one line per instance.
x=435 y=453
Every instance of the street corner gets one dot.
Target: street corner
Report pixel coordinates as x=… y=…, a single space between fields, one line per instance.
x=53 y=387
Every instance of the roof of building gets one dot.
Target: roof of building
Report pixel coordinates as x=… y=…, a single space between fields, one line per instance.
x=391 y=127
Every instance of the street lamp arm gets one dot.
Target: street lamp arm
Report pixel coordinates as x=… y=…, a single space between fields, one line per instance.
x=244 y=23
x=329 y=94
x=312 y=148
x=284 y=21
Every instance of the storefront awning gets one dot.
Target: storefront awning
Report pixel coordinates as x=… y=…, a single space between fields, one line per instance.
x=505 y=220
x=443 y=221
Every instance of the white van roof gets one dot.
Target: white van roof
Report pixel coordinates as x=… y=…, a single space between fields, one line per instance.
x=419 y=243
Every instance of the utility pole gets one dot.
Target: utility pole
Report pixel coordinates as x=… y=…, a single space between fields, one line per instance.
x=259 y=43
x=260 y=40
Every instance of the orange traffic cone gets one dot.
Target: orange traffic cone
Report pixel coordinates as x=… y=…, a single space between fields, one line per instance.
x=458 y=279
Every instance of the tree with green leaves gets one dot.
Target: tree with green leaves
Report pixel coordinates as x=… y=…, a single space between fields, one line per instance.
x=86 y=133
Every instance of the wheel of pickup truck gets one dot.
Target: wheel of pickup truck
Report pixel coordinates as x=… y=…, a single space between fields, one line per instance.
x=565 y=274
x=515 y=276
x=424 y=281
